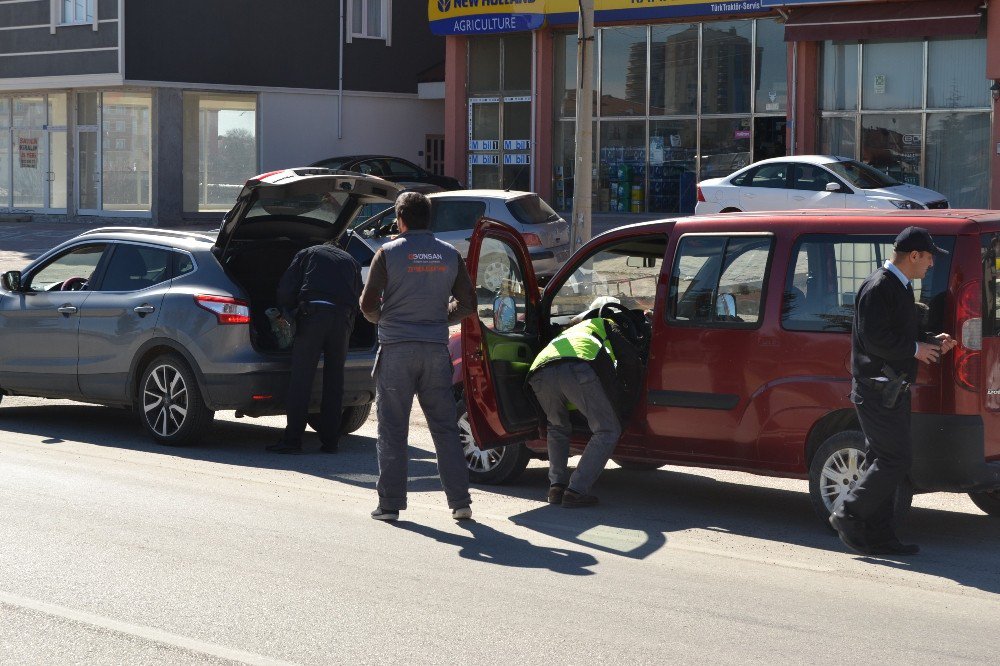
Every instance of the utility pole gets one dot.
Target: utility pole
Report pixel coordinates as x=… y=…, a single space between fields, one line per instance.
x=580 y=230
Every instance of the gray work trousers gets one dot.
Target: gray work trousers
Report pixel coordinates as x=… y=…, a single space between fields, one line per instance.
x=576 y=382
x=423 y=369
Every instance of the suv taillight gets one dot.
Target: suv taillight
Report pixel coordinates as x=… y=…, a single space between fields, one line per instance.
x=701 y=195
x=969 y=320
x=227 y=310
x=532 y=240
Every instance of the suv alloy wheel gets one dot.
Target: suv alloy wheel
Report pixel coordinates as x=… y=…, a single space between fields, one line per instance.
x=169 y=402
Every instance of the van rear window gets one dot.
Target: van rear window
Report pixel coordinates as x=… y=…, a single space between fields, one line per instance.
x=826 y=272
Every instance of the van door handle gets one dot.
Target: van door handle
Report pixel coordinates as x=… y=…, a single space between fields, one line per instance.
x=66 y=310
x=144 y=309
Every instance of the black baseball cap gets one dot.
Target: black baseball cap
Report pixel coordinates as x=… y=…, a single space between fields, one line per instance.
x=916 y=239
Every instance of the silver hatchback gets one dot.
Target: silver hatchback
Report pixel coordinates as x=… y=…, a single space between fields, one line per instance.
x=173 y=324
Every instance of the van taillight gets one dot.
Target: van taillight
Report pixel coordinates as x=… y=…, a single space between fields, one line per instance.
x=701 y=195
x=227 y=310
x=969 y=320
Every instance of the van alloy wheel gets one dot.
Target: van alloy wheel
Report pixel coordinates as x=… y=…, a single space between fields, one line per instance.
x=841 y=471
x=494 y=270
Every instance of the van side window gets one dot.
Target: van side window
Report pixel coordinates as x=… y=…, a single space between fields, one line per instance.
x=826 y=272
x=718 y=281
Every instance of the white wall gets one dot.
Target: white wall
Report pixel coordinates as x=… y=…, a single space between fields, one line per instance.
x=297 y=129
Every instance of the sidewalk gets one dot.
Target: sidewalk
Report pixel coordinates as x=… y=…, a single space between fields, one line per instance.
x=20 y=242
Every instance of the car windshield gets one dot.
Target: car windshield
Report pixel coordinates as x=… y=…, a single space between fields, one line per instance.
x=861 y=175
x=531 y=210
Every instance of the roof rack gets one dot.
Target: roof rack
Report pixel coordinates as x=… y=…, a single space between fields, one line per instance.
x=153 y=231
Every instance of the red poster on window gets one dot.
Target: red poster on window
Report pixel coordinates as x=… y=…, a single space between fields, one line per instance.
x=27 y=151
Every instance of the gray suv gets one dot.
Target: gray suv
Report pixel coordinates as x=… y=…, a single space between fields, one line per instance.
x=173 y=324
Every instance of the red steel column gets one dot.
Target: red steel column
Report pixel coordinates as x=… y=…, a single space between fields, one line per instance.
x=456 y=107
x=544 y=64
x=993 y=74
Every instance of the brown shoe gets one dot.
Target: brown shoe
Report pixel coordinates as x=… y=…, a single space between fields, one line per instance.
x=556 y=491
x=574 y=500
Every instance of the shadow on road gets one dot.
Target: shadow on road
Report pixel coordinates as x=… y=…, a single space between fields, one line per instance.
x=637 y=514
x=485 y=544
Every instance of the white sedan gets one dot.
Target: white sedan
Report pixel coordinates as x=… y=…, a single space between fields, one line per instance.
x=810 y=181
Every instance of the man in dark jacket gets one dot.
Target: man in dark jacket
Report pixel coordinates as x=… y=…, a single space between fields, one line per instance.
x=886 y=346
x=321 y=286
x=596 y=369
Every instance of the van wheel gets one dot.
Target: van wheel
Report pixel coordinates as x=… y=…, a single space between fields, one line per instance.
x=836 y=468
x=988 y=501
x=495 y=268
x=354 y=417
x=637 y=466
x=169 y=402
x=351 y=418
x=488 y=466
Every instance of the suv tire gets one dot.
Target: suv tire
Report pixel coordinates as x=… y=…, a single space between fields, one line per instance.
x=488 y=466
x=169 y=402
x=351 y=418
x=988 y=501
x=637 y=466
x=836 y=467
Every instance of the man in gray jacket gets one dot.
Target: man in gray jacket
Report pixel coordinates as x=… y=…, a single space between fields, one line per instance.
x=408 y=294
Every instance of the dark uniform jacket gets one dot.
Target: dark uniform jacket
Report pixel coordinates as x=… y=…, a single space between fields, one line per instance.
x=886 y=327
x=321 y=273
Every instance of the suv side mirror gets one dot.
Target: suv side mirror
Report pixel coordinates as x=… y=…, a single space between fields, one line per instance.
x=833 y=187
x=12 y=280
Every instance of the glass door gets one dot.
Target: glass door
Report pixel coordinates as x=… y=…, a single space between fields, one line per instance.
x=88 y=155
x=29 y=145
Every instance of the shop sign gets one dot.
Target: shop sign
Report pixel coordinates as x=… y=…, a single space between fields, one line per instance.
x=792 y=3
x=483 y=17
x=484 y=144
x=516 y=144
x=517 y=159
x=27 y=151
x=484 y=159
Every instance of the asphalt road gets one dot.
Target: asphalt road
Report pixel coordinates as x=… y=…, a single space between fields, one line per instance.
x=114 y=550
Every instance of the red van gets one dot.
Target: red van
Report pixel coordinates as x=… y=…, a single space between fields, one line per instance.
x=744 y=321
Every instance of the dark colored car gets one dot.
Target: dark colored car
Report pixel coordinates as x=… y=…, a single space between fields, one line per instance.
x=745 y=322
x=172 y=324
x=393 y=169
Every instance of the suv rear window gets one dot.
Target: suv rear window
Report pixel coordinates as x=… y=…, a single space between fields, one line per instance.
x=531 y=210
x=826 y=272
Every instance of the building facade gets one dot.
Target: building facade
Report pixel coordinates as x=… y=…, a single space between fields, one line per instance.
x=156 y=114
x=686 y=90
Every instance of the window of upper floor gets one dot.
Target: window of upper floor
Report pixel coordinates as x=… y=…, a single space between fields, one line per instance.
x=76 y=11
x=369 y=19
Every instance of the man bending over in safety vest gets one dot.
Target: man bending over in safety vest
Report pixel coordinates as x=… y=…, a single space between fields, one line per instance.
x=593 y=367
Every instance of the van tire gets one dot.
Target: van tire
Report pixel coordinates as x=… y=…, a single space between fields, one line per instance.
x=351 y=418
x=988 y=501
x=843 y=454
x=170 y=374
x=488 y=466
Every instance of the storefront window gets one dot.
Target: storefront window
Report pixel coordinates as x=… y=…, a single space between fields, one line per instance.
x=673 y=81
x=953 y=157
x=956 y=69
x=726 y=65
x=772 y=72
x=725 y=146
x=623 y=71
x=484 y=65
x=5 y=153
x=220 y=148
x=651 y=164
x=839 y=89
x=517 y=63
x=892 y=75
x=956 y=162
x=622 y=167
x=672 y=166
x=126 y=151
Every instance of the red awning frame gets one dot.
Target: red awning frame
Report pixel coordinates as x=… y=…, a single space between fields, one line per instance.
x=890 y=20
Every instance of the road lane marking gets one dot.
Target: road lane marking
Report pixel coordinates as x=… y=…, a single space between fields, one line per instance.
x=147 y=633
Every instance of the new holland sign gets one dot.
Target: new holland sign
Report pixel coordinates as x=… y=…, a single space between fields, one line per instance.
x=472 y=17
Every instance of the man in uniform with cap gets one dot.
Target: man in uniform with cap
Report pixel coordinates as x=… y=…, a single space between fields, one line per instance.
x=886 y=345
